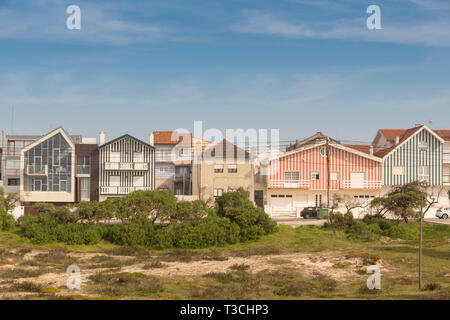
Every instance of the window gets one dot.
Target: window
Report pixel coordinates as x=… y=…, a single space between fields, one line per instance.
x=52 y=161
x=83 y=165
x=323 y=152
x=334 y=176
x=12 y=167
x=85 y=187
x=13 y=182
x=218 y=169
x=315 y=176
x=423 y=145
x=218 y=192
x=424 y=174
x=291 y=176
x=232 y=168
x=398 y=171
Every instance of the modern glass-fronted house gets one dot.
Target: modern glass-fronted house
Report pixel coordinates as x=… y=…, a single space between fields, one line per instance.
x=48 y=170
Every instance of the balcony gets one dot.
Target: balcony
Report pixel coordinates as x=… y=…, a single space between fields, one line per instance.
x=349 y=184
x=446 y=157
x=35 y=170
x=182 y=177
x=127 y=166
x=446 y=179
x=290 y=184
x=122 y=190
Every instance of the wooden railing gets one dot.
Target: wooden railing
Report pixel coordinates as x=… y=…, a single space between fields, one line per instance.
x=127 y=166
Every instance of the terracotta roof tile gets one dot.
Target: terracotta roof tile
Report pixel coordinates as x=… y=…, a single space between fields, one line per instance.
x=171 y=137
x=406 y=134
x=443 y=133
x=359 y=147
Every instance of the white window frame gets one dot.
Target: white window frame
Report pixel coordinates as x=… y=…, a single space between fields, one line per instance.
x=218 y=192
x=421 y=175
x=334 y=175
x=315 y=175
x=398 y=170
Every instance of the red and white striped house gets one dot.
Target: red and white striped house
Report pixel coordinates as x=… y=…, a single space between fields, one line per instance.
x=298 y=178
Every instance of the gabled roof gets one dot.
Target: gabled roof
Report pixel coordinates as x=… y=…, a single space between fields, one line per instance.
x=70 y=139
x=310 y=140
x=360 y=147
x=126 y=136
x=222 y=147
x=407 y=133
x=359 y=150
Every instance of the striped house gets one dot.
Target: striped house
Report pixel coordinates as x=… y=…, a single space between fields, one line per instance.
x=414 y=154
x=298 y=178
x=126 y=164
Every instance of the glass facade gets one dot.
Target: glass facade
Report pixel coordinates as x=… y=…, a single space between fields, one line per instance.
x=83 y=165
x=48 y=166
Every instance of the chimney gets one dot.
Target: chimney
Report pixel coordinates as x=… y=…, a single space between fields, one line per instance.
x=397 y=140
x=102 y=138
x=152 y=139
x=371 y=150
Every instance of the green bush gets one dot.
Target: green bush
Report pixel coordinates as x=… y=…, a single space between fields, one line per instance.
x=252 y=221
x=363 y=231
x=186 y=225
x=6 y=221
x=45 y=228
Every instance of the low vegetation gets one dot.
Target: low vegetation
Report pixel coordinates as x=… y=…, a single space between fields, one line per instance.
x=151 y=219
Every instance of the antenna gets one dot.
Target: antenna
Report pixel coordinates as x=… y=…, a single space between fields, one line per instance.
x=12 y=119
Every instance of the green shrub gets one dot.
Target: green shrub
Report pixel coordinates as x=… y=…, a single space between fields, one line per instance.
x=252 y=221
x=6 y=221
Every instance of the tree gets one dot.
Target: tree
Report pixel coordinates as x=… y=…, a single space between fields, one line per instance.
x=402 y=202
x=7 y=204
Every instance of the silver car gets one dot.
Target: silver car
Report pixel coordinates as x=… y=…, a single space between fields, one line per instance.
x=443 y=213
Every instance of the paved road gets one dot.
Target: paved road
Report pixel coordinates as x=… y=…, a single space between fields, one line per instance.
x=294 y=222
x=436 y=220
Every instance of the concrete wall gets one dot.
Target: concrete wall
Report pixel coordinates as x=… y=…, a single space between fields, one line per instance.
x=205 y=180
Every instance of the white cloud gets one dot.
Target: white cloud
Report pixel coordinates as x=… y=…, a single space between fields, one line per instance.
x=99 y=24
x=433 y=33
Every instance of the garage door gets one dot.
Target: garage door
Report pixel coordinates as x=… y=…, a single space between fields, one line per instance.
x=357 y=180
x=281 y=203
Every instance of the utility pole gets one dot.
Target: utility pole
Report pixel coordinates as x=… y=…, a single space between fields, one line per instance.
x=420 y=240
x=328 y=173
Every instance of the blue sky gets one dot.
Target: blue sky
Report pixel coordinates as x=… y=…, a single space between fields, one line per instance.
x=296 y=65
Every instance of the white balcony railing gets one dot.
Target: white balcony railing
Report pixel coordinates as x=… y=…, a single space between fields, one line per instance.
x=127 y=166
x=349 y=184
x=33 y=170
x=446 y=179
x=122 y=190
x=446 y=157
x=290 y=184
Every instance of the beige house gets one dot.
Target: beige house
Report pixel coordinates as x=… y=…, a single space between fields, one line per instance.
x=219 y=168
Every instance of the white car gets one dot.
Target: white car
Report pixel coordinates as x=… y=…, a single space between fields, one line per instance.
x=443 y=213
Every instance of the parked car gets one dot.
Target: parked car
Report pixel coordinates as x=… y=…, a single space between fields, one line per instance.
x=443 y=213
x=310 y=213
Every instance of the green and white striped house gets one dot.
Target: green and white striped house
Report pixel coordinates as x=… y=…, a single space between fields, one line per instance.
x=408 y=155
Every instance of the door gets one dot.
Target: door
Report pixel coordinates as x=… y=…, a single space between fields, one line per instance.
x=357 y=180
x=259 y=198
x=281 y=203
